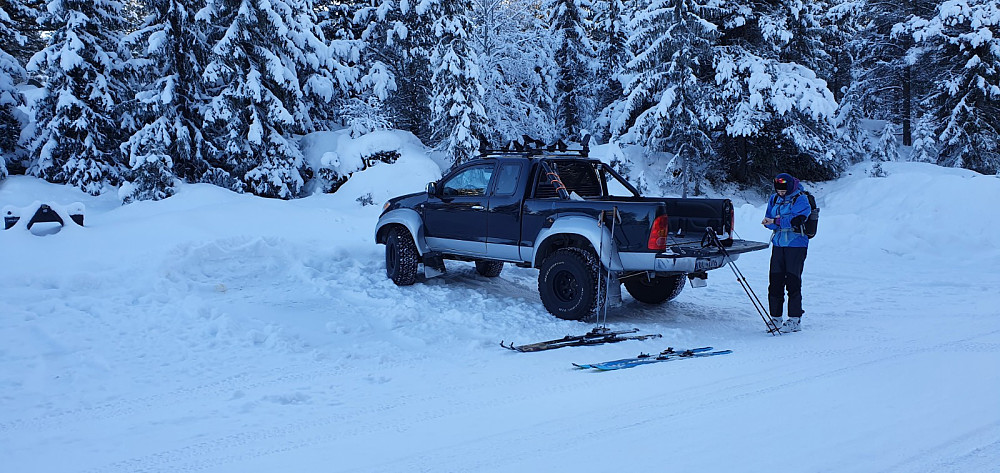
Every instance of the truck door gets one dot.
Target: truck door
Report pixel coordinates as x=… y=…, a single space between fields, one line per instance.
x=504 y=215
x=455 y=220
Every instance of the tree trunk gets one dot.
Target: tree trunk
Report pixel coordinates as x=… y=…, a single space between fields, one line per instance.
x=743 y=163
x=907 y=86
x=907 y=107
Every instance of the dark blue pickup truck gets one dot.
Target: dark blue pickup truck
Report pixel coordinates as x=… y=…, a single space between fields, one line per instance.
x=573 y=218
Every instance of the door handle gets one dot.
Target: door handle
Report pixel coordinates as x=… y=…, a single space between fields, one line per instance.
x=478 y=207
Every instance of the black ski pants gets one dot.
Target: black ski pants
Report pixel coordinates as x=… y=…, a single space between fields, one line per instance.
x=786 y=274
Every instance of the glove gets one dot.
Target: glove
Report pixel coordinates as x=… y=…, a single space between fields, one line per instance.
x=798 y=220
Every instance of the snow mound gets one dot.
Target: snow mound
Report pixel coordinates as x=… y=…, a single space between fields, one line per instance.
x=918 y=208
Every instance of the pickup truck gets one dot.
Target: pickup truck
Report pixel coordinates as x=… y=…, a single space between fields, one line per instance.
x=574 y=218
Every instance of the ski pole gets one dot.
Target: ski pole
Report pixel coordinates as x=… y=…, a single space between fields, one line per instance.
x=600 y=253
x=607 y=285
x=757 y=304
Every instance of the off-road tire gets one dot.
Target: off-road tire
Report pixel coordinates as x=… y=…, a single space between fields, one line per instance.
x=400 y=257
x=657 y=290
x=568 y=283
x=490 y=269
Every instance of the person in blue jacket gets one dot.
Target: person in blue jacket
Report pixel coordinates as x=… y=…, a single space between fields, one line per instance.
x=785 y=215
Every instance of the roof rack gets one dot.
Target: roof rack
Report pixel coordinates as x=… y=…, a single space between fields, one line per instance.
x=528 y=146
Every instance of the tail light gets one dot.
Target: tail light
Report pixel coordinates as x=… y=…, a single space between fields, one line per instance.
x=658 y=235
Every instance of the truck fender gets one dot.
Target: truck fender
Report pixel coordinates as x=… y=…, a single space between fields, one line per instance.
x=408 y=218
x=585 y=227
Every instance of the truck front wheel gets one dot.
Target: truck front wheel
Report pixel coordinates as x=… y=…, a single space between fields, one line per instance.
x=654 y=291
x=567 y=283
x=400 y=257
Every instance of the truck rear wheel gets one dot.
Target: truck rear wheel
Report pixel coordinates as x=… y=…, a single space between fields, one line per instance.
x=567 y=283
x=490 y=269
x=400 y=257
x=655 y=291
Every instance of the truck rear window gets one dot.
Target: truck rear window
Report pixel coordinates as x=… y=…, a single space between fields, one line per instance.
x=578 y=176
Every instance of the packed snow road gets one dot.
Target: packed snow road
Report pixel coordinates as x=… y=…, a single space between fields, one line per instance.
x=225 y=333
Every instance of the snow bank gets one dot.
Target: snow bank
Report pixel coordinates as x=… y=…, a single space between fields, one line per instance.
x=918 y=209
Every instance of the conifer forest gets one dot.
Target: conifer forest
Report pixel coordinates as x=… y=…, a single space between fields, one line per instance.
x=139 y=95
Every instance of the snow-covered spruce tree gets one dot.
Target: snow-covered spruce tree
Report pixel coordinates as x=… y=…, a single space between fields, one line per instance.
x=11 y=72
x=368 y=24
x=365 y=114
x=173 y=51
x=887 y=149
x=810 y=40
x=842 y=24
x=874 y=90
x=778 y=113
x=22 y=17
x=883 y=85
x=366 y=110
x=78 y=124
x=400 y=40
x=961 y=43
x=839 y=26
x=664 y=107
x=611 y=34
x=329 y=71
x=575 y=56
x=336 y=18
x=924 y=142
x=264 y=67
x=517 y=70
x=458 y=118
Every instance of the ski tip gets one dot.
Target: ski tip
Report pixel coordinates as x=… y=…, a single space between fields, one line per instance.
x=509 y=346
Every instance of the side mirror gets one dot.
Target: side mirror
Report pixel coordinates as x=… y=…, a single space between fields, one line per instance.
x=431 y=189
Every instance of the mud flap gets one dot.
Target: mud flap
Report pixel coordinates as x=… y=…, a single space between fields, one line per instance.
x=699 y=279
x=433 y=265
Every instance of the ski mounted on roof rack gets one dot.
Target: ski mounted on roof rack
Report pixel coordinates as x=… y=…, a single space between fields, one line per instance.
x=529 y=146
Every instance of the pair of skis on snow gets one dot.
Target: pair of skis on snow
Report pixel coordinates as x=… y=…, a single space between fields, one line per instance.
x=670 y=354
x=597 y=336
x=601 y=335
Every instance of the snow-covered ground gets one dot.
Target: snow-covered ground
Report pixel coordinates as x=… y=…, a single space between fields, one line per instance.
x=228 y=333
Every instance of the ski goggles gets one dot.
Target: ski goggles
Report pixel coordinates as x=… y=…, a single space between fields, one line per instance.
x=780 y=184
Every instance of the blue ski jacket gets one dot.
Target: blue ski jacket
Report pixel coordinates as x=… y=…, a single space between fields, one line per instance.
x=783 y=210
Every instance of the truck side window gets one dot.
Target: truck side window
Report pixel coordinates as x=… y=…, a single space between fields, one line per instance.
x=507 y=179
x=469 y=182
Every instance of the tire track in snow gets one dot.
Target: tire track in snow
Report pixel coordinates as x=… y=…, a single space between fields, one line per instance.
x=984 y=456
x=289 y=436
